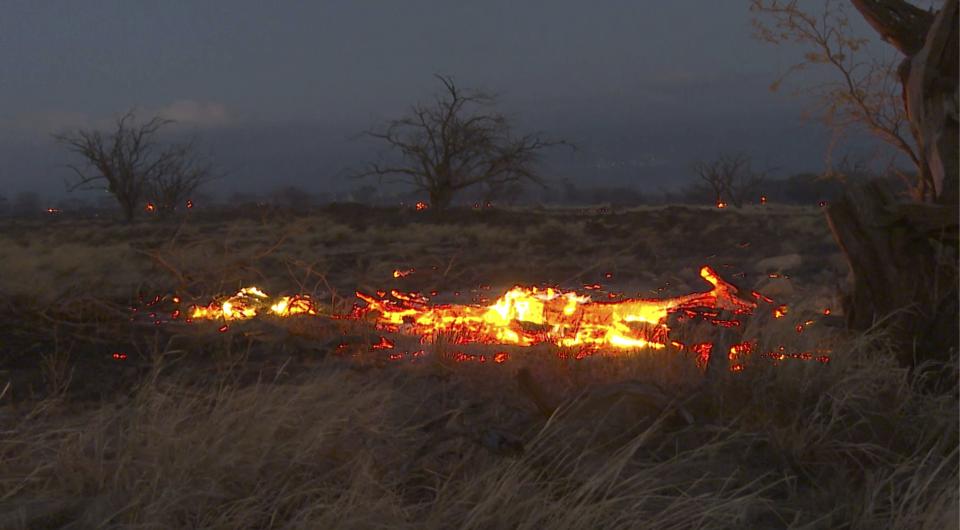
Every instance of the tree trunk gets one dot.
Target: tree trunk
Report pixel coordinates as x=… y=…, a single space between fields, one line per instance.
x=903 y=264
x=440 y=198
x=929 y=75
x=903 y=257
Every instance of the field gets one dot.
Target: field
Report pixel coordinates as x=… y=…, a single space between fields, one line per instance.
x=110 y=420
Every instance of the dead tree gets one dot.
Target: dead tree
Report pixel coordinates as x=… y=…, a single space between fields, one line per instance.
x=730 y=178
x=866 y=92
x=130 y=165
x=929 y=76
x=455 y=143
x=903 y=257
x=174 y=185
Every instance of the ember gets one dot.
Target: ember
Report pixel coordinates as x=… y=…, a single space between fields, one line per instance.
x=523 y=316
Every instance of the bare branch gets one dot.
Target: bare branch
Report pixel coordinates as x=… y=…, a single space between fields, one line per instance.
x=868 y=93
x=129 y=164
x=457 y=143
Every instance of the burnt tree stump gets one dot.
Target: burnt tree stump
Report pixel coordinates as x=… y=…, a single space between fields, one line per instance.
x=903 y=266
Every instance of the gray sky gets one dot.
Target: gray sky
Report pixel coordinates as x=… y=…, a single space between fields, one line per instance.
x=275 y=90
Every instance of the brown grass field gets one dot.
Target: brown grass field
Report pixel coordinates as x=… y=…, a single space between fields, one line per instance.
x=270 y=425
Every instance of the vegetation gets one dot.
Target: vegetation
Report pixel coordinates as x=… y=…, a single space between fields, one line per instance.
x=455 y=143
x=271 y=424
x=130 y=165
x=730 y=178
x=875 y=95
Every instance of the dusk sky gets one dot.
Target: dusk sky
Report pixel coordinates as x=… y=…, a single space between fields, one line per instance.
x=276 y=92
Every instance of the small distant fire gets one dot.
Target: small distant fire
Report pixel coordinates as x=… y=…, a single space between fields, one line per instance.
x=420 y=206
x=402 y=273
x=150 y=207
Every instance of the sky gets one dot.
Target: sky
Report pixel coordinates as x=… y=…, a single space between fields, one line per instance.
x=276 y=92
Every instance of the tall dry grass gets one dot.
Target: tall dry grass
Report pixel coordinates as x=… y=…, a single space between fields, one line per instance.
x=858 y=443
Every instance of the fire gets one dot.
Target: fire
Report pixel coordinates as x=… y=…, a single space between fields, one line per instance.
x=525 y=316
x=250 y=302
x=402 y=273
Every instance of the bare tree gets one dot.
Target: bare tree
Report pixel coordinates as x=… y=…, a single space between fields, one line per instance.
x=176 y=183
x=867 y=92
x=455 y=143
x=131 y=166
x=730 y=178
x=902 y=256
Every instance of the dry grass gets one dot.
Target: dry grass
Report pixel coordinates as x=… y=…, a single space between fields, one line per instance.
x=233 y=432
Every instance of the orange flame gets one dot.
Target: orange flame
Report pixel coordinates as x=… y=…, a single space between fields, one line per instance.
x=525 y=316
x=250 y=302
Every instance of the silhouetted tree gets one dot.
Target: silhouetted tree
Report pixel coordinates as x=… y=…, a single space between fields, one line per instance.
x=131 y=166
x=730 y=178
x=879 y=95
x=455 y=143
x=174 y=185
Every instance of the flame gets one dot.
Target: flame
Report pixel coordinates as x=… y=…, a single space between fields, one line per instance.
x=250 y=302
x=525 y=316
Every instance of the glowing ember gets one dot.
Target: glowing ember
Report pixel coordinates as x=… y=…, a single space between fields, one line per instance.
x=525 y=316
x=250 y=302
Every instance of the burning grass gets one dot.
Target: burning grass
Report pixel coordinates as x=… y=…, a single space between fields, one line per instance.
x=271 y=424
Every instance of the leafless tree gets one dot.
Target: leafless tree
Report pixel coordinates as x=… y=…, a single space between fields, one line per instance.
x=730 y=178
x=131 y=166
x=457 y=142
x=176 y=183
x=866 y=93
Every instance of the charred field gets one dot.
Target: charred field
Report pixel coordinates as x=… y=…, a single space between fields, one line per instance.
x=115 y=414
